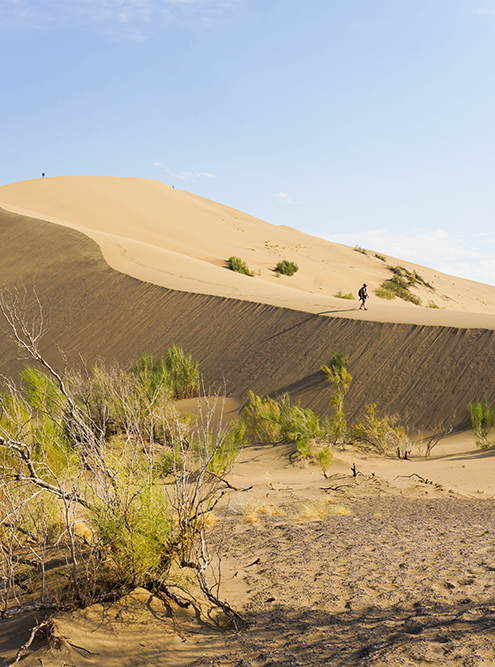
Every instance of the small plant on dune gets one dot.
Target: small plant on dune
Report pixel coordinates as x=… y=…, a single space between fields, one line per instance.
x=383 y=434
x=270 y=420
x=325 y=459
x=239 y=266
x=381 y=257
x=286 y=268
x=339 y=377
x=385 y=292
x=359 y=249
x=176 y=374
x=432 y=304
x=341 y=295
x=482 y=423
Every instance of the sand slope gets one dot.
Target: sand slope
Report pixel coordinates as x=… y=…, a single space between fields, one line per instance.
x=178 y=240
x=428 y=374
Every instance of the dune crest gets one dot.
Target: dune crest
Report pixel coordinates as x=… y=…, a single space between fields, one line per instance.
x=178 y=240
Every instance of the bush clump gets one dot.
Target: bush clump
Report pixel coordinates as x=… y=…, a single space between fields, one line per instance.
x=341 y=295
x=399 y=285
x=286 y=268
x=482 y=423
x=239 y=266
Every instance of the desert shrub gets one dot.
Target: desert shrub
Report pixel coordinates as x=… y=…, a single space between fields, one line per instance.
x=381 y=257
x=385 y=292
x=271 y=420
x=482 y=422
x=432 y=304
x=324 y=457
x=93 y=499
x=286 y=268
x=383 y=434
x=239 y=266
x=183 y=373
x=176 y=375
x=340 y=295
x=339 y=377
x=359 y=249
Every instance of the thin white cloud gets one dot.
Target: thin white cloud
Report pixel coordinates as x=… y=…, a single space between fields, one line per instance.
x=464 y=256
x=189 y=175
x=284 y=198
x=127 y=18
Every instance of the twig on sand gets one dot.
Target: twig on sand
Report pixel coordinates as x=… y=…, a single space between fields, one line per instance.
x=415 y=474
x=222 y=479
x=25 y=646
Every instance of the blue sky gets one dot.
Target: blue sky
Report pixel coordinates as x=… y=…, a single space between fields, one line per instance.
x=366 y=122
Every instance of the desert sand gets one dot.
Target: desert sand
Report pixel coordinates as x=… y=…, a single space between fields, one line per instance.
x=393 y=566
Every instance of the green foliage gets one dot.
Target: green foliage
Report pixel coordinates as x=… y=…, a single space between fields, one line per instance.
x=383 y=434
x=359 y=249
x=183 y=373
x=341 y=295
x=271 y=420
x=432 y=304
x=385 y=292
x=482 y=422
x=381 y=257
x=176 y=375
x=325 y=458
x=286 y=268
x=239 y=266
x=340 y=379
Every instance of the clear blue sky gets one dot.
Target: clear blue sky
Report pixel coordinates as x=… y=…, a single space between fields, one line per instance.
x=370 y=122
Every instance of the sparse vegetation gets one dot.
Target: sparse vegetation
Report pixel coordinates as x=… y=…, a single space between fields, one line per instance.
x=286 y=268
x=399 y=285
x=482 y=423
x=100 y=472
x=341 y=295
x=432 y=304
x=381 y=257
x=383 y=434
x=339 y=377
x=359 y=249
x=239 y=266
x=270 y=420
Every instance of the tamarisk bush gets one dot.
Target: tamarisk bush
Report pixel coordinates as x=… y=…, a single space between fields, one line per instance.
x=100 y=473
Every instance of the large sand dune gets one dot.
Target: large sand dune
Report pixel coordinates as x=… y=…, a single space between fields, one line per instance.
x=426 y=371
x=391 y=567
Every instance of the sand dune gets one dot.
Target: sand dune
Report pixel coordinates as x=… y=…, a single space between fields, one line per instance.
x=177 y=240
x=426 y=373
x=391 y=567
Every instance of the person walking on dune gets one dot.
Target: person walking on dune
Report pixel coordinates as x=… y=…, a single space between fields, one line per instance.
x=363 y=295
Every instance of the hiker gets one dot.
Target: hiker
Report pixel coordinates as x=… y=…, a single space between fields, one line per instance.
x=363 y=295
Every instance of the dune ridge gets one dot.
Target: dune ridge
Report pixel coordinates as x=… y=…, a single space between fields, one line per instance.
x=177 y=240
x=427 y=374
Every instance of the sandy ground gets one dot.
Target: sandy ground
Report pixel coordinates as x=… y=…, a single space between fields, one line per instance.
x=391 y=567
x=177 y=240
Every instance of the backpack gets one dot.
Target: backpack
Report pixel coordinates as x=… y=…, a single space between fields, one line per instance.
x=361 y=293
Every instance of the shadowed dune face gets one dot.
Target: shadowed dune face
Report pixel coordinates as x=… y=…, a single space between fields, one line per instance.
x=426 y=373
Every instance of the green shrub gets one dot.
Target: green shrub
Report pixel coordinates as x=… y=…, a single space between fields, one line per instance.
x=341 y=295
x=339 y=377
x=239 y=266
x=385 y=293
x=325 y=458
x=286 y=268
x=383 y=259
x=432 y=304
x=482 y=422
x=183 y=373
x=271 y=420
x=359 y=249
x=383 y=434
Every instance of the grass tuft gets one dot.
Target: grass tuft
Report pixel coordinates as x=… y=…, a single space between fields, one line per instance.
x=341 y=295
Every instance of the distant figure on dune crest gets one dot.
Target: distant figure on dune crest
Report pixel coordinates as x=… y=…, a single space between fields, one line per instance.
x=363 y=295
x=43 y=175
